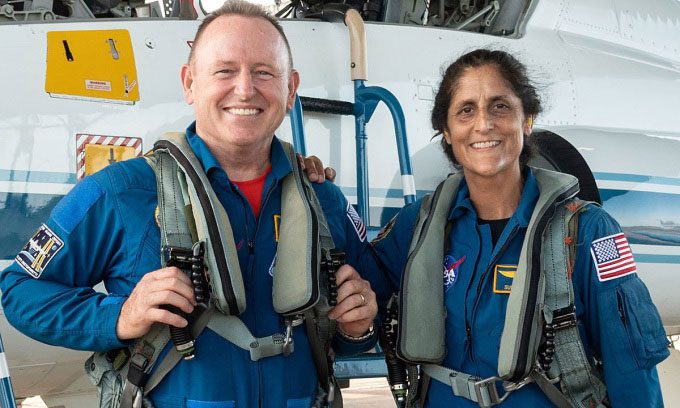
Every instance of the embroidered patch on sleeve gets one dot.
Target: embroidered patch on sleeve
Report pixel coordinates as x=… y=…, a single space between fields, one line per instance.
x=502 y=278
x=39 y=251
x=613 y=257
x=356 y=221
x=385 y=231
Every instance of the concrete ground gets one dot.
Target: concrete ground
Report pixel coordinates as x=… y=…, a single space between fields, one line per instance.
x=374 y=392
x=368 y=392
x=362 y=393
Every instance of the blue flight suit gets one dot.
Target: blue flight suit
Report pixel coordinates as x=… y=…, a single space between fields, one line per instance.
x=109 y=233
x=618 y=323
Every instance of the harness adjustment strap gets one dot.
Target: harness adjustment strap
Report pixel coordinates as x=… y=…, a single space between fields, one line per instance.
x=564 y=318
x=235 y=331
x=482 y=391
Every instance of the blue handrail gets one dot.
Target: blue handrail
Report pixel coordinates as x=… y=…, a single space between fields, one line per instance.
x=6 y=390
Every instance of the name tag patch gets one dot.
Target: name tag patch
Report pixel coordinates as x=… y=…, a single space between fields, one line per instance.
x=39 y=251
x=502 y=278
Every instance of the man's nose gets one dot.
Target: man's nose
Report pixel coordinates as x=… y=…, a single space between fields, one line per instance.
x=244 y=86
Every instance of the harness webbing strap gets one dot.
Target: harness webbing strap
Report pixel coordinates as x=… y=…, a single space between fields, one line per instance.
x=464 y=385
x=172 y=217
x=577 y=380
x=184 y=198
x=235 y=331
x=173 y=357
x=298 y=193
x=145 y=353
x=549 y=389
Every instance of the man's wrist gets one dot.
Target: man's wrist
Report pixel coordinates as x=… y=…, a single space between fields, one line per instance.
x=369 y=333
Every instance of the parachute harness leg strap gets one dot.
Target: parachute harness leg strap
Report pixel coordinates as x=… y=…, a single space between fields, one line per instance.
x=579 y=385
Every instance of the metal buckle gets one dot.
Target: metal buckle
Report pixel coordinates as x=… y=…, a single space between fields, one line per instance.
x=487 y=387
x=288 y=340
x=564 y=318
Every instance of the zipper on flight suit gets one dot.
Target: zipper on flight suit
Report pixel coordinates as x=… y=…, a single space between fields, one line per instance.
x=251 y=247
x=468 y=328
x=511 y=235
x=251 y=251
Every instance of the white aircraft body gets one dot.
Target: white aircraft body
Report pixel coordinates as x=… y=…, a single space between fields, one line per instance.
x=609 y=72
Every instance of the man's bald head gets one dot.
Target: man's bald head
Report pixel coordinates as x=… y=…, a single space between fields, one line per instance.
x=245 y=9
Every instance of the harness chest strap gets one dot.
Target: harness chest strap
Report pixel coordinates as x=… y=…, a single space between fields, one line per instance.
x=183 y=221
x=516 y=359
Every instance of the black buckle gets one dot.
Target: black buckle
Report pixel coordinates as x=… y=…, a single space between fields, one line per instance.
x=564 y=318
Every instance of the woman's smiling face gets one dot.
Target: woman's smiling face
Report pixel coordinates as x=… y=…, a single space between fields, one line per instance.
x=486 y=123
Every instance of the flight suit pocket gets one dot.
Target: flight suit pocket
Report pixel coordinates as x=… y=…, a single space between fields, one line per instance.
x=637 y=327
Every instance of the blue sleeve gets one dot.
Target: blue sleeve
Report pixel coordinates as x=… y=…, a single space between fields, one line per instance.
x=382 y=261
x=47 y=293
x=387 y=255
x=623 y=328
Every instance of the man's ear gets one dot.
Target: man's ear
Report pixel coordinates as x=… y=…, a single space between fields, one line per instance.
x=293 y=84
x=187 y=83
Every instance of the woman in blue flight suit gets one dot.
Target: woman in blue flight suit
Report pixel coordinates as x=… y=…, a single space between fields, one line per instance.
x=484 y=110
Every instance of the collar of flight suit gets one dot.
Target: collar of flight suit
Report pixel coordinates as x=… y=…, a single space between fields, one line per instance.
x=281 y=166
x=462 y=204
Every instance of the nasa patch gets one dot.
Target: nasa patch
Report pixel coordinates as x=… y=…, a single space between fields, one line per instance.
x=357 y=223
x=39 y=251
x=451 y=269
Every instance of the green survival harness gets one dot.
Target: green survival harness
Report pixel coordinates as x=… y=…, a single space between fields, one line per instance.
x=190 y=214
x=540 y=316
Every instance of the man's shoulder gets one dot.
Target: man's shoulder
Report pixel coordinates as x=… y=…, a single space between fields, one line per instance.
x=102 y=190
x=126 y=175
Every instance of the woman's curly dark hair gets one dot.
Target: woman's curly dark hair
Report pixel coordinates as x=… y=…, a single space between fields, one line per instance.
x=513 y=71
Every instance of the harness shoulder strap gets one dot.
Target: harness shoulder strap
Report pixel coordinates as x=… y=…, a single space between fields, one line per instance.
x=578 y=383
x=303 y=233
x=421 y=318
x=302 y=216
x=523 y=320
x=209 y=217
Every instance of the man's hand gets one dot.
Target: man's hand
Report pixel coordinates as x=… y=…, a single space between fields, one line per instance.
x=166 y=286
x=356 y=306
x=316 y=173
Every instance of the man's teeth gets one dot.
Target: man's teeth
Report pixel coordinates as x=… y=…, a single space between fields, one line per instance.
x=483 y=145
x=243 y=112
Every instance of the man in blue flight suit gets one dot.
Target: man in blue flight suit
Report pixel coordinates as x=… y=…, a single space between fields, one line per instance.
x=618 y=322
x=241 y=82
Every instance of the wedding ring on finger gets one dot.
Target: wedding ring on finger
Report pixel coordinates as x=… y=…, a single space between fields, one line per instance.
x=363 y=299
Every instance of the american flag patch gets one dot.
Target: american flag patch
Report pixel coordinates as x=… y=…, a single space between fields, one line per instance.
x=612 y=256
x=356 y=221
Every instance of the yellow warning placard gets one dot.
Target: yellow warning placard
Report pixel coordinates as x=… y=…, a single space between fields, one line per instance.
x=94 y=152
x=99 y=156
x=91 y=65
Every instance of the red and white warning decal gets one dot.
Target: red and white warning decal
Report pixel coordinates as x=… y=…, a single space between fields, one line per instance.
x=94 y=152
